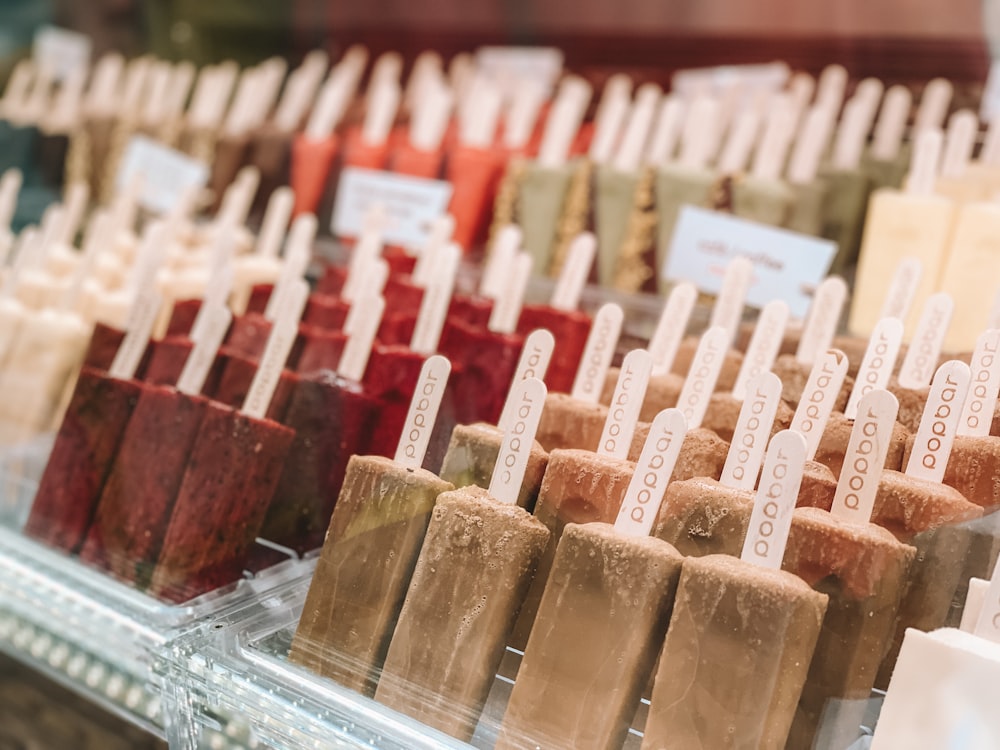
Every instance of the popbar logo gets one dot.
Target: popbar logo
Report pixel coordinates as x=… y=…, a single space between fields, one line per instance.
x=977 y=414
x=862 y=466
x=751 y=435
x=594 y=366
x=516 y=443
x=631 y=385
x=423 y=414
x=654 y=479
x=865 y=457
x=814 y=397
x=773 y=486
x=771 y=518
x=527 y=402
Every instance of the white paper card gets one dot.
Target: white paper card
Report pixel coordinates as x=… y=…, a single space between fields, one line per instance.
x=411 y=205
x=61 y=51
x=786 y=265
x=165 y=174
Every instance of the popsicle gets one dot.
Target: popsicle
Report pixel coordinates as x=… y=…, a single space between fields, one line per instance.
x=233 y=468
x=473 y=449
x=422 y=155
x=332 y=418
x=368 y=148
x=569 y=325
x=602 y=618
x=138 y=495
x=580 y=486
x=544 y=183
x=576 y=420
x=742 y=632
x=885 y=163
x=371 y=548
x=914 y=222
x=477 y=560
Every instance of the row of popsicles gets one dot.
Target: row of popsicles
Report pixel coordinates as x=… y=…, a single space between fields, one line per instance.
x=469 y=577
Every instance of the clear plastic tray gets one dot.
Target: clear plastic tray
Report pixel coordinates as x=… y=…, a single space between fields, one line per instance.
x=84 y=629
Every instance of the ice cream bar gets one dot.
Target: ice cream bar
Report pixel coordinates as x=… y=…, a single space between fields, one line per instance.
x=914 y=223
x=421 y=155
x=742 y=633
x=969 y=265
x=371 y=548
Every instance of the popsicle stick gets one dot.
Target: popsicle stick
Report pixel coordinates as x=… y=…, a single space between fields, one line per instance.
x=37 y=103
x=75 y=200
x=25 y=255
x=10 y=188
x=434 y=306
x=922 y=357
x=763 y=347
x=818 y=398
x=154 y=109
x=810 y=145
x=939 y=422
x=865 y=457
x=178 y=88
x=666 y=131
x=373 y=286
x=145 y=309
x=533 y=363
x=480 y=115
x=823 y=319
x=990 y=152
x=331 y=104
x=851 y=137
x=598 y=352
x=17 y=90
x=222 y=89
x=239 y=198
x=610 y=118
x=800 y=89
x=275 y=223
x=501 y=256
x=831 y=86
x=522 y=115
x=367 y=249
x=199 y=362
x=563 y=122
x=868 y=94
x=65 y=110
x=771 y=517
x=700 y=133
x=878 y=362
x=960 y=140
x=238 y=116
x=672 y=326
x=988 y=623
x=427 y=68
x=279 y=344
x=652 y=474
x=902 y=289
x=441 y=231
x=298 y=250
x=388 y=67
x=574 y=273
x=134 y=85
x=423 y=412
x=623 y=411
x=219 y=285
x=740 y=142
x=430 y=118
x=99 y=98
x=769 y=161
x=703 y=375
x=461 y=72
x=366 y=314
x=934 y=103
x=52 y=222
x=300 y=90
x=728 y=309
x=891 y=123
x=97 y=238
x=924 y=168
x=637 y=129
x=507 y=309
x=383 y=101
x=752 y=430
x=528 y=400
x=984 y=386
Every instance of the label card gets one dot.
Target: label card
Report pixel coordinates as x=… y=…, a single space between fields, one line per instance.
x=977 y=413
x=533 y=363
x=702 y=375
x=818 y=398
x=824 y=316
x=411 y=205
x=771 y=518
x=166 y=174
x=753 y=78
x=623 y=411
x=925 y=347
x=902 y=289
x=652 y=474
x=786 y=265
x=865 y=457
x=764 y=345
x=528 y=400
x=753 y=428
x=876 y=365
x=671 y=327
x=939 y=422
x=598 y=352
x=423 y=411
x=61 y=51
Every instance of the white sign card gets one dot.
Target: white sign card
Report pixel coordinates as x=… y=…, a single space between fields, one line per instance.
x=786 y=265
x=411 y=205
x=61 y=51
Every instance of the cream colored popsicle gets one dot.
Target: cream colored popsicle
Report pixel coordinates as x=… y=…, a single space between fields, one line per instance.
x=477 y=560
x=914 y=222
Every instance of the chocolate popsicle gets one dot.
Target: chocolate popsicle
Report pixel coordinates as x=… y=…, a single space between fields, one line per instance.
x=602 y=618
x=476 y=563
x=371 y=548
x=717 y=654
